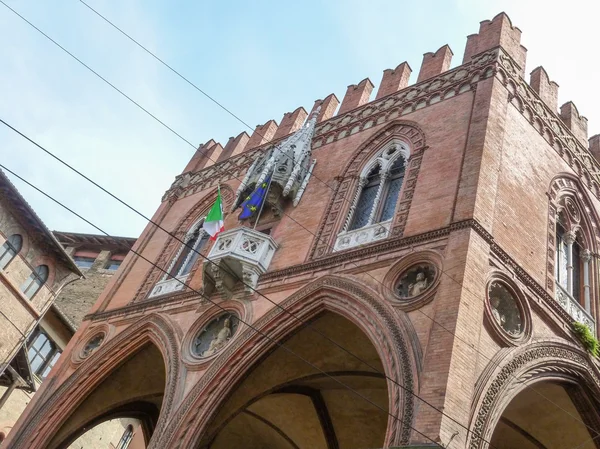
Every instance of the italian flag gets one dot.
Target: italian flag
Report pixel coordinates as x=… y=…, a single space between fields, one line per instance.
x=213 y=223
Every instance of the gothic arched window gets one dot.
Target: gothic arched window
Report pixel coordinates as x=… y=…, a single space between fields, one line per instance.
x=376 y=197
x=10 y=249
x=126 y=438
x=34 y=282
x=573 y=271
x=182 y=264
x=188 y=254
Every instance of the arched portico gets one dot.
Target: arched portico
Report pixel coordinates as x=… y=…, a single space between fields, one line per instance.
x=333 y=296
x=152 y=340
x=548 y=376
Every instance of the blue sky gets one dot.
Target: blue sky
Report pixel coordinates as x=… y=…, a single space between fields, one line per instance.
x=260 y=59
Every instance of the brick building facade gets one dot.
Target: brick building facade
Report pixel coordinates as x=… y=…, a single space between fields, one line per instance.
x=422 y=274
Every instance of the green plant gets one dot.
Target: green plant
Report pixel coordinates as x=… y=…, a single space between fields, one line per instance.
x=586 y=337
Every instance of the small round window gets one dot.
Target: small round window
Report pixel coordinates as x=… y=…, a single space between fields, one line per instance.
x=415 y=280
x=505 y=309
x=215 y=335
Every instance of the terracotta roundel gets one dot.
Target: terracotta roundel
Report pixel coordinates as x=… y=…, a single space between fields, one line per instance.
x=505 y=310
x=415 y=280
x=215 y=335
x=92 y=344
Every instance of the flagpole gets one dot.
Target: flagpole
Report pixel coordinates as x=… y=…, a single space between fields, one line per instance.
x=263 y=202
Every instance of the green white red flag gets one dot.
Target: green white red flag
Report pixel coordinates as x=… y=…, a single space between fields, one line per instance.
x=213 y=223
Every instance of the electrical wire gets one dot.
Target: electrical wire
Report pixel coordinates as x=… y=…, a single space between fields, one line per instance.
x=345 y=199
x=207 y=298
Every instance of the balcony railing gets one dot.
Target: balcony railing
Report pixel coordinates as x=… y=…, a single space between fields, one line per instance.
x=238 y=256
x=574 y=309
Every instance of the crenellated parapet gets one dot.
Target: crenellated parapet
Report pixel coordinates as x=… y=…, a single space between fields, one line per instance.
x=577 y=123
x=546 y=89
x=495 y=50
x=498 y=32
x=356 y=95
x=435 y=63
x=394 y=80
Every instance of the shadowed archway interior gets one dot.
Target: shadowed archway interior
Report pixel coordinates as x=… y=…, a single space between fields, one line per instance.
x=530 y=421
x=284 y=403
x=133 y=392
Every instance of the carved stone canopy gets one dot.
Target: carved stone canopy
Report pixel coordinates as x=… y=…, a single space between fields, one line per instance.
x=289 y=165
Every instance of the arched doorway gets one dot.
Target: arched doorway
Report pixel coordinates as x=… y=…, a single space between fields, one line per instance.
x=132 y=375
x=132 y=394
x=284 y=403
x=549 y=415
x=543 y=395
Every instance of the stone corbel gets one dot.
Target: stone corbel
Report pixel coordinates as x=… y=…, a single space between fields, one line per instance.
x=221 y=283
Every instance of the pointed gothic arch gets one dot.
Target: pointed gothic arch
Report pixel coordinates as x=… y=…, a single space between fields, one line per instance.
x=47 y=419
x=512 y=372
x=348 y=180
x=573 y=232
x=348 y=299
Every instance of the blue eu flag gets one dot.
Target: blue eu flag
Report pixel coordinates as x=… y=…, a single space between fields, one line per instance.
x=253 y=202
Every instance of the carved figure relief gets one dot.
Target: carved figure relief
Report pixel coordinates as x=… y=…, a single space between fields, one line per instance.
x=215 y=335
x=415 y=280
x=505 y=309
x=92 y=345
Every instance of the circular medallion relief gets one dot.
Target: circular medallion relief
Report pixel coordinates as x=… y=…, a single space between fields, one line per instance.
x=92 y=344
x=505 y=309
x=415 y=280
x=215 y=335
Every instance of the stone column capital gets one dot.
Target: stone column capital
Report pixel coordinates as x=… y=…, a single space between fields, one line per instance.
x=570 y=237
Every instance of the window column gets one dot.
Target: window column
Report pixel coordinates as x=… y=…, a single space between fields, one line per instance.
x=586 y=257
x=362 y=182
x=569 y=238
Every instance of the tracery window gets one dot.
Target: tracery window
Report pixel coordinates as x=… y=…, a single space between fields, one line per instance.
x=376 y=197
x=10 y=249
x=183 y=262
x=573 y=272
x=34 y=282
